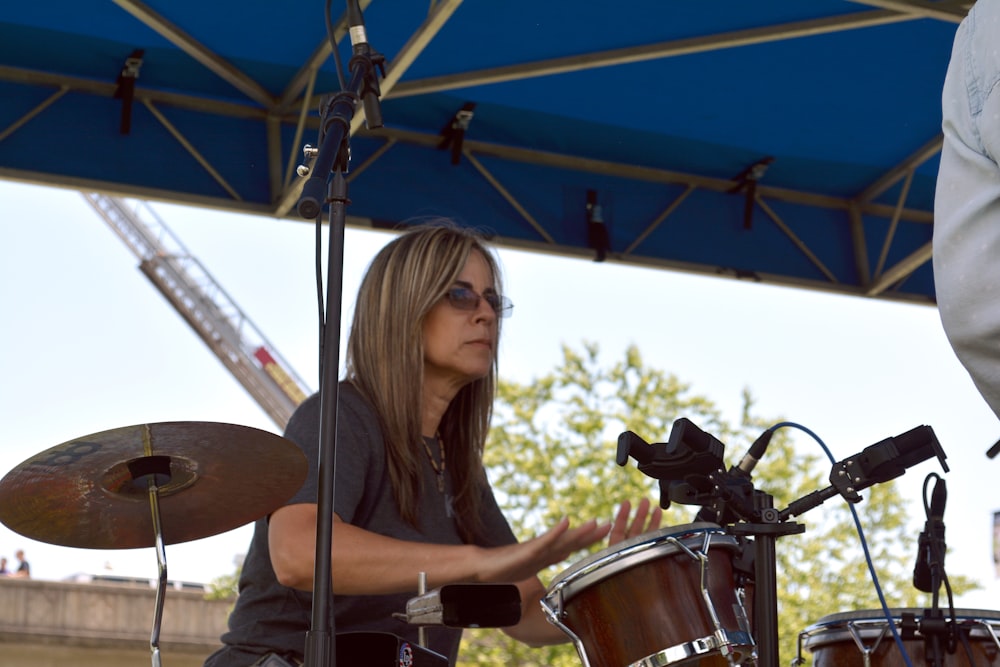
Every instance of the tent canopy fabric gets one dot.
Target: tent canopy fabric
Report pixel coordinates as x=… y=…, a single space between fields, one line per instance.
x=781 y=141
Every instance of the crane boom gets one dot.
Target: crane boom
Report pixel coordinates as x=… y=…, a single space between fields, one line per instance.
x=206 y=307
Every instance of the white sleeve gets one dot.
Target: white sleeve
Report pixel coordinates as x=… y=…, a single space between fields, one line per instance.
x=967 y=201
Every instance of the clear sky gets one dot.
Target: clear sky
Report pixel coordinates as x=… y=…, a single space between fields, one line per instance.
x=87 y=345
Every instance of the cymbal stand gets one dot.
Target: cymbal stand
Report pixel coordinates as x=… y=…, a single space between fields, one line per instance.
x=161 y=560
x=153 y=472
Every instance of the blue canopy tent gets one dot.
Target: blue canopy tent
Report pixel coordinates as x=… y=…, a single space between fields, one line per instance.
x=782 y=141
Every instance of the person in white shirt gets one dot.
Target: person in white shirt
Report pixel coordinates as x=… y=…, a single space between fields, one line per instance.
x=967 y=201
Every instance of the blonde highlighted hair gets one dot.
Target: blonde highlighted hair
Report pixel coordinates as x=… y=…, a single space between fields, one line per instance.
x=385 y=361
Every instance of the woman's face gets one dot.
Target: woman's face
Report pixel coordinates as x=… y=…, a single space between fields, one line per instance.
x=459 y=345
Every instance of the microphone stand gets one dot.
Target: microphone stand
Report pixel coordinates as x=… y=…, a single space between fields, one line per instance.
x=934 y=620
x=747 y=512
x=333 y=157
x=765 y=588
x=929 y=575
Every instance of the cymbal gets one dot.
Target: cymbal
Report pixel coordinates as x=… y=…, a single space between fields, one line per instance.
x=93 y=492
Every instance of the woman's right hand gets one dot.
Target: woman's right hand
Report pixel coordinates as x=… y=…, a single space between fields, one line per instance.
x=520 y=561
x=647 y=518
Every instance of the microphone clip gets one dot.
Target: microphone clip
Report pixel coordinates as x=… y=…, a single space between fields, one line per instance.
x=884 y=461
x=928 y=572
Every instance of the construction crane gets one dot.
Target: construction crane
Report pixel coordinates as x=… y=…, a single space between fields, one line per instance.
x=202 y=302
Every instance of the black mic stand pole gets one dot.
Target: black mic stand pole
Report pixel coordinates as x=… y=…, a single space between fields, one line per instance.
x=765 y=531
x=333 y=156
x=933 y=625
x=766 y=524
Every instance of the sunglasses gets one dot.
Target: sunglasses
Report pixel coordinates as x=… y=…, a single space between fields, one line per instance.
x=465 y=298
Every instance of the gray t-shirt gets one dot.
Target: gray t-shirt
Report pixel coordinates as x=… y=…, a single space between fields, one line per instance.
x=269 y=617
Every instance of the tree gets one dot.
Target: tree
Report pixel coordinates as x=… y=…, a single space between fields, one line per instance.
x=227 y=587
x=551 y=453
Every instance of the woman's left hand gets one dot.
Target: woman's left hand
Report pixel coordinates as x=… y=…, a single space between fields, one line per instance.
x=643 y=522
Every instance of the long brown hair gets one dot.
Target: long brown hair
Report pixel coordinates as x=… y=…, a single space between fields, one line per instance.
x=385 y=361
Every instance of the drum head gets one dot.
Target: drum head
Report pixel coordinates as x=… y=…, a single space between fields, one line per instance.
x=635 y=551
x=870 y=623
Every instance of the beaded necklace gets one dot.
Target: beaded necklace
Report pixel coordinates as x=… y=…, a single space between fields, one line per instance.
x=439 y=470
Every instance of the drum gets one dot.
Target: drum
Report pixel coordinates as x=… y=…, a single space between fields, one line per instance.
x=663 y=598
x=865 y=639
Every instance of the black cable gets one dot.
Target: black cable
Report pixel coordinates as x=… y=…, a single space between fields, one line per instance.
x=937 y=555
x=332 y=38
x=968 y=647
x=320 y=294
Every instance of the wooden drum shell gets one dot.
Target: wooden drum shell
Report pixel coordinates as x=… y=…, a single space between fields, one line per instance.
x=645 y=596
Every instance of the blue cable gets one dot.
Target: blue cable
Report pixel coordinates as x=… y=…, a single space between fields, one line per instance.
x=864 y=544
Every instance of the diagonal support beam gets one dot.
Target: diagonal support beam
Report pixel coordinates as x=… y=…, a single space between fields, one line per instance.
x=228 y=72
x=900 y=171
x=952 y=12
x=39 y=108
x=651 y=227
x=189 y=147
x=681 y=47
x=890 y=233
x=796 y=241
x=511 y=199
x=901 y=270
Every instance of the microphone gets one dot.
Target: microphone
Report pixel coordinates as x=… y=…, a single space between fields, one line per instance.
x=338 y=109
x=356 y=25
x=732 y=494
x=756 y=451
x=931 y=544
x=362 y=50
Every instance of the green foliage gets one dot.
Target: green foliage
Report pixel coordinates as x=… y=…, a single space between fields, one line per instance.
x=225 y=587
x=551 y=454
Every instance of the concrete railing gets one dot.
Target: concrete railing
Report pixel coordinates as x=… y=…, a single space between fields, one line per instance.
x=41 y=620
